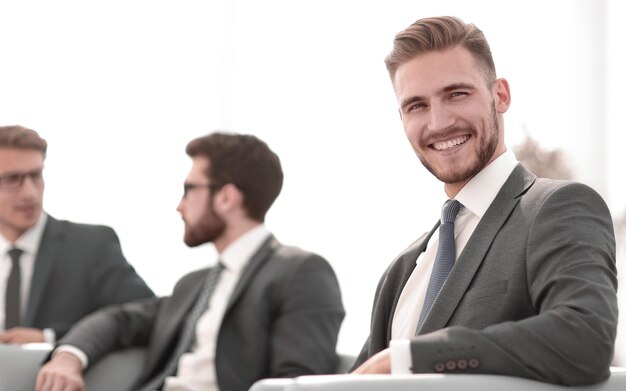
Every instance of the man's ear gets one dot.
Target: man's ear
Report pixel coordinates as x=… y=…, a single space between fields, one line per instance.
x=502 y=95
x=228 y=198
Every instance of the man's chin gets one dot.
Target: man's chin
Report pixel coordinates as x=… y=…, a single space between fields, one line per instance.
x=193 y=242
x=26 y=224
x=458 y=175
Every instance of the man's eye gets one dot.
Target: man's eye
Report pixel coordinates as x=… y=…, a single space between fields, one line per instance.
x=12 y=179
x=37 y=175
x=458 y=93
x=416 y=106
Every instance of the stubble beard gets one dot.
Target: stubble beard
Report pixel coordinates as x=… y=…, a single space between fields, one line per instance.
x=484 y=154
x=210 y=227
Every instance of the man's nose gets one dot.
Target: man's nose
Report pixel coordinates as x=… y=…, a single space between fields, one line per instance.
x=29 y=185
x=439 y=117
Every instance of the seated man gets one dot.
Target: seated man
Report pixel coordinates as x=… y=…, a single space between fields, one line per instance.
x=264 y=310
x=52 y=273
x=519 y=277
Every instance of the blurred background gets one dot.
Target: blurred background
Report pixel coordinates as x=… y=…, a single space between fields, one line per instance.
x=119 y=87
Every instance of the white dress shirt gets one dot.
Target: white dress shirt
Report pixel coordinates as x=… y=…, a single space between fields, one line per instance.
x=476 y=197
x=29 y=244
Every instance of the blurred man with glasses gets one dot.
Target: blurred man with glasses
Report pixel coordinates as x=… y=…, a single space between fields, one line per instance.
x=52 y=272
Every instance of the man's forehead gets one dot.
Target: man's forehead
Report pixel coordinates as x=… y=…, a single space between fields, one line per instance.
x=198 y=167
x=431 y=72
x=20 y=159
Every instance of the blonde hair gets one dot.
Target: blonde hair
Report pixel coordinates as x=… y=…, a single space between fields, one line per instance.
x=440 y=33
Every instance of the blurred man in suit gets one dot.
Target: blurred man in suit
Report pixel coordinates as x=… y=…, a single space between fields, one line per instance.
x=519 y=278
x=52 y=272
x=264 y=310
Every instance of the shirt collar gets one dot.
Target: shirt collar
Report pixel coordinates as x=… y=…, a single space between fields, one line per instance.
x=482 y=189
x=238 y=253
x=29 y=241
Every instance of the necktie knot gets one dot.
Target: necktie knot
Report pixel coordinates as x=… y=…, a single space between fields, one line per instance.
x=15 y=254
x=219 y=267
x=449 y=211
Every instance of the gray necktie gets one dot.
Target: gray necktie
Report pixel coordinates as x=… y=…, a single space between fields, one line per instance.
x=188 y=334
x=12 y=298
x=444 y=261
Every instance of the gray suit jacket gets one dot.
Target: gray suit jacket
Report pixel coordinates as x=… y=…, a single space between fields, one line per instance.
x=533 y=294
x=282 y=320
x=79 y=268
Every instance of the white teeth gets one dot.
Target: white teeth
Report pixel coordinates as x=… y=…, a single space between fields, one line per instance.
x=450 y=143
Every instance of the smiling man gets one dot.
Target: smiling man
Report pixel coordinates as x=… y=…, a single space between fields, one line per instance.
x=518 y=278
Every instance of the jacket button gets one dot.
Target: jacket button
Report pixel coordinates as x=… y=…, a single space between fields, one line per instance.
x=462 y=363
x=473 y=363
x=451 y=365
x=439 y=367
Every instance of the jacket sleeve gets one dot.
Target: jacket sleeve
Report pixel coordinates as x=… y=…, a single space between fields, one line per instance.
x=115 y=327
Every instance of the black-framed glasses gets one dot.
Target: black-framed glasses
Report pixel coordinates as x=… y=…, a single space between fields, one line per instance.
x=13 y=181
x=190 y=186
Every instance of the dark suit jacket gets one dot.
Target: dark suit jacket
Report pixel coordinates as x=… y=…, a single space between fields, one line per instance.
x=533 y=294
x=282 y=320
x=79 y=268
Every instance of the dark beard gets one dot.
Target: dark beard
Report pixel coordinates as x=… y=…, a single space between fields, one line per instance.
x=485 y=153
x=211 y=226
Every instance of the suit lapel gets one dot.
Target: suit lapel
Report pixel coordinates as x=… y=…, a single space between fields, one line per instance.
x=47 y=257
x=170 y=326
x=476 y=248
x=181 y=306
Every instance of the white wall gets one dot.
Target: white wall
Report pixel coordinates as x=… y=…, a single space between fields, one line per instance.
x=119 y=87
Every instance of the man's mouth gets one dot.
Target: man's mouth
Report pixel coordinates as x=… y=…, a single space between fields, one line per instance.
x=449 y=144
x=26 y=207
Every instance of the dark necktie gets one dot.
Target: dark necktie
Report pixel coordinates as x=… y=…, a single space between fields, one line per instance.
x=188 y=334
x=12 y=298
x=444 y=260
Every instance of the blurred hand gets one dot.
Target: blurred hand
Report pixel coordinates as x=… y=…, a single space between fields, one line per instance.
x=380 y=363
x=21 y=335
x=63 y=372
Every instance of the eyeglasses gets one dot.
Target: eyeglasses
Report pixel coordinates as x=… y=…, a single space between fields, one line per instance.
x=14 y=181
x=190 y=186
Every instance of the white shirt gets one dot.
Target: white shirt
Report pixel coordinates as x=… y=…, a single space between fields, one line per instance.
x=29 y=244
x=476 y=197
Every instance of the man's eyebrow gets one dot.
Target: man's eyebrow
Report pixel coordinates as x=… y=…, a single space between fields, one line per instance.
x=458 y=86
x=35 y=170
